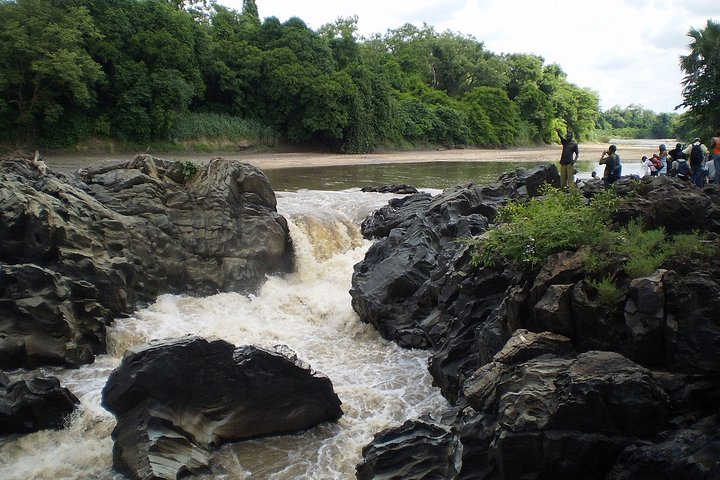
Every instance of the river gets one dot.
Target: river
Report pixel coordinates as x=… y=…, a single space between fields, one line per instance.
x=379 y=384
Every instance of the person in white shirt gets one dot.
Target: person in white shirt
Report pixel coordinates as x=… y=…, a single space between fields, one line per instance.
x=645 y=164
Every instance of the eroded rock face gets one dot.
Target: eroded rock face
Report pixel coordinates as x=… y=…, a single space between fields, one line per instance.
x=435 y=451
x=77 y=251
x=666 y=320
x=395 y=288
x=541 y=410
x=175 y=400
x=36 y=404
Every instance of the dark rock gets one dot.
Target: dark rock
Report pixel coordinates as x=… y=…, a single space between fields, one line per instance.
x=78 y=251
x=665 y=320
x=393 y=288
x=538 y=410
x=527 y=183
x=472 y=327
x=692 y=396
x=398 y=211
x=39 y=403
x=547 y=405
x=638 y=399
x=176 y=400
x=416 y=284
x=665 y=201
x=691 y=453
x=692 y=330
x=417 y=449
x=401 y=189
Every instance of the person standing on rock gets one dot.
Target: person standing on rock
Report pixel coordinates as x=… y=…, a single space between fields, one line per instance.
x=696 y=153
x=569 y=156
x=613 y=167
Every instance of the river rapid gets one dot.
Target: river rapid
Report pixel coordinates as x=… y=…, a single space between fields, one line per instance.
x=379 y=384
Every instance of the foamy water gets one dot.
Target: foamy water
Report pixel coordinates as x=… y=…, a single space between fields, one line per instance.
x=379 y=384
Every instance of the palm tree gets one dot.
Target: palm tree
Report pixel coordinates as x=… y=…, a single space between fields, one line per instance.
x=701 y=85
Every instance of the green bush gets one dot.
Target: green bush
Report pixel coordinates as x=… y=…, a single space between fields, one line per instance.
x=189 y=168
x=687 y=244
x=528 y=232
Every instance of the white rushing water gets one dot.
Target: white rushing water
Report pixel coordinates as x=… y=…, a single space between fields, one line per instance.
x=379 y=384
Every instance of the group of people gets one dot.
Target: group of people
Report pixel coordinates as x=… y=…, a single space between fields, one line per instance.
x=694 y=163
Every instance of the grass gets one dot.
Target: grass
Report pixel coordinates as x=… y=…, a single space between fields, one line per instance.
x=205 y=128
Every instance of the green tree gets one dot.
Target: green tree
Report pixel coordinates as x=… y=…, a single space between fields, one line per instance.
x=250 y=11
x=47 y=75
x=340 y=35
x=502 y=112
x=701 y=84
x=152 y=53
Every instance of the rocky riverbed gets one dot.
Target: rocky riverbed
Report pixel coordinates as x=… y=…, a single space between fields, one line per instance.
x=544 y=380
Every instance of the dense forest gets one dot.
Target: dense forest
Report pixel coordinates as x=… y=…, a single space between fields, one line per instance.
x=142 y=71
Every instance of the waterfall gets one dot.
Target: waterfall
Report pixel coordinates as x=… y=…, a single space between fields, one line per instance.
x=309 y=310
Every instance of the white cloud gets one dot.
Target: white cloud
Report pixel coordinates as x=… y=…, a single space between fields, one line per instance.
x=626 y=50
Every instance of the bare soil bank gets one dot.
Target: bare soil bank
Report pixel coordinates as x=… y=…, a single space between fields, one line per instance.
x=269 y=161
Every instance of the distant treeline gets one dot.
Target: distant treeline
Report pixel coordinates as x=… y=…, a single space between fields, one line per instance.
x=164 y=71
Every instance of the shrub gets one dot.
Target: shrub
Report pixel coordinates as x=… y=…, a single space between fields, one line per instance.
x=607 y=290
x=558 y=221
x=189 y=168
x=687 y=244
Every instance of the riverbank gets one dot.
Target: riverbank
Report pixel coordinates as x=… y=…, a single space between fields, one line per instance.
x=269 y=161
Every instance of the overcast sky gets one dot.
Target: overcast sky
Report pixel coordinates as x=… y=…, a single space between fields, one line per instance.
x=625 y=50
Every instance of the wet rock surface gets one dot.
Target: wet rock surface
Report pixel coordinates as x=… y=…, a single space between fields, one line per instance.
x=38 y=403
x=76 y=251
x=176 y=400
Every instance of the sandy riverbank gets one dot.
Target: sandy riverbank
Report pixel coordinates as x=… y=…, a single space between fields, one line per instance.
x=269 y=161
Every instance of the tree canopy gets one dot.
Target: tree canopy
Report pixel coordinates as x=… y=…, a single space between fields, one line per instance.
x=134 y=69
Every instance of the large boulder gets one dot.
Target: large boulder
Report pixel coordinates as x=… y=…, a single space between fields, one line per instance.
x=541 y=410
x=666 y=320
x=38 y=403
x=543 y=400
x=395 y=288
x=669 y=202
x=435 y=451
x=176 y=400
x=77 y=251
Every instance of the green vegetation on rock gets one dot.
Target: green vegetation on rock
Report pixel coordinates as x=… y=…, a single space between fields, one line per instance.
x=528 y=232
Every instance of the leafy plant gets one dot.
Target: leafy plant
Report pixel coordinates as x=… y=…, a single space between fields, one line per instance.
x=189 y=168
x=596 y=262
x=529 y=232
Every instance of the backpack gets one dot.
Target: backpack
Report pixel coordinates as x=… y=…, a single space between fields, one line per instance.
x=696 y=155
x=657 y=163
x=617 y=169
x=683 y=170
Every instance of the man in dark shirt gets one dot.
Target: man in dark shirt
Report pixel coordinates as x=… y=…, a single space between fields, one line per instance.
x=569 y=156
